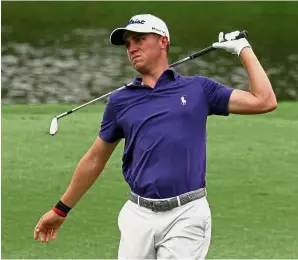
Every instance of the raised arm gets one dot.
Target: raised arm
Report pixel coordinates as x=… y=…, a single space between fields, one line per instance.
x=261 y=98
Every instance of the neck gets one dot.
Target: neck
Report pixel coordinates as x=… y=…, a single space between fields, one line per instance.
x=153 y=75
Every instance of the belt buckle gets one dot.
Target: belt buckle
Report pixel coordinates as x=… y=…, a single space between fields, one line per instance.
x=163 y=205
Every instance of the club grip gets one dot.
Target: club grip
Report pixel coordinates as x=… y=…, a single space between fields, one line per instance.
x=242 y=34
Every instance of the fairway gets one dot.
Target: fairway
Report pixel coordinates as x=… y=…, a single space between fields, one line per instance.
x=252 y=176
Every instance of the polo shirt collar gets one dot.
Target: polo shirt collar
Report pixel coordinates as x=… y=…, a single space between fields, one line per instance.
x=170 y=73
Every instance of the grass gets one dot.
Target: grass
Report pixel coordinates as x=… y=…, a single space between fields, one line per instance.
x=252 y=184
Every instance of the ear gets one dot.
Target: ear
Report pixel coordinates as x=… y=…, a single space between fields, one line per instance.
x=164 y=42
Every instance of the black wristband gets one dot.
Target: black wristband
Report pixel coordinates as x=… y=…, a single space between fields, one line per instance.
x=61 y=206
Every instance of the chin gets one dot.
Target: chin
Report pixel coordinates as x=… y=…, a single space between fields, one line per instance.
x=139 y=67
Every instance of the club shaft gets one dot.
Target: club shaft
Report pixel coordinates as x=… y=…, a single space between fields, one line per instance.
x=193 y=56
x=86 y=104
x=243 y=34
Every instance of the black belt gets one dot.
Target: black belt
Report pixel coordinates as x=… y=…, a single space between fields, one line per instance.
x=168 y=204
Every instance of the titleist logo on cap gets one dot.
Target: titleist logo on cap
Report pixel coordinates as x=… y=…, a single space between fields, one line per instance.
x=136 y=21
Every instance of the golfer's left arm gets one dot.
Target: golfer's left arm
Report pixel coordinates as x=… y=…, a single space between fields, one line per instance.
x=261 y=98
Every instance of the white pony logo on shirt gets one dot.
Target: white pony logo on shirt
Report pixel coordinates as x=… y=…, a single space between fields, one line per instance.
x=183 y=101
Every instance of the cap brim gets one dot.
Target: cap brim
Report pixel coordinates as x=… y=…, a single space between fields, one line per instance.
x=117 y=38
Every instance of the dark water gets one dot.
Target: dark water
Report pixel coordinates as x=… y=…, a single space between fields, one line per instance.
x=58 y=52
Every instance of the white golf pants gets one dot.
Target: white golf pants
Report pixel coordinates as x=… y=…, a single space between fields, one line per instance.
x=181 y=233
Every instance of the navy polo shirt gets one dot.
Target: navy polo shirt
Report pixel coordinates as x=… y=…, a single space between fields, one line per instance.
x=165 y=131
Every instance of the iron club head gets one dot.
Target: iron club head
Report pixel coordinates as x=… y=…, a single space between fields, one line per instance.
x=54 y=126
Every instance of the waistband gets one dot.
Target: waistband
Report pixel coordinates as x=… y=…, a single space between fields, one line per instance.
x=167 y=204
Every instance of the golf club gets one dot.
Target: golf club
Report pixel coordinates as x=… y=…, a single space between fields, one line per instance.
x=54 y=122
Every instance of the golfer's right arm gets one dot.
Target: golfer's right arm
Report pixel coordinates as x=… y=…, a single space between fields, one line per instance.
x=88 y=170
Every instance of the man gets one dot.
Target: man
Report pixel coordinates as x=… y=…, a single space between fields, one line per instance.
x=162 y=117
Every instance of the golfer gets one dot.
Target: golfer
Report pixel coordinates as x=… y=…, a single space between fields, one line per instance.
x=162 y=117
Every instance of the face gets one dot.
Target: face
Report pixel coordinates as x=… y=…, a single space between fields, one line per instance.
x=145 y=50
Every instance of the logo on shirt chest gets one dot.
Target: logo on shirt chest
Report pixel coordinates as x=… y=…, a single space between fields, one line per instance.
x=183 y=100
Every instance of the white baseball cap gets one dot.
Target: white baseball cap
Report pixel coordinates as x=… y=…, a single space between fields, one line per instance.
x=142 y=23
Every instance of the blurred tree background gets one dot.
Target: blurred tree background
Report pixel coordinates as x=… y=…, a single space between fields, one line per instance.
x=59 y=52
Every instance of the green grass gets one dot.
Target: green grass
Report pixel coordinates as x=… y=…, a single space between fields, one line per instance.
x=252 y=184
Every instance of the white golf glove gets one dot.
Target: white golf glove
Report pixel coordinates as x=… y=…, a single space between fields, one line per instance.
x=227 y=42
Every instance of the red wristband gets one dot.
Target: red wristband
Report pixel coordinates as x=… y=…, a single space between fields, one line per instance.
x=59 y=212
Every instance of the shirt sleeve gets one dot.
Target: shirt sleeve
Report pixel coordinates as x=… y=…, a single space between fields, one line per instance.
x=110 y=131
x=218 y=96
